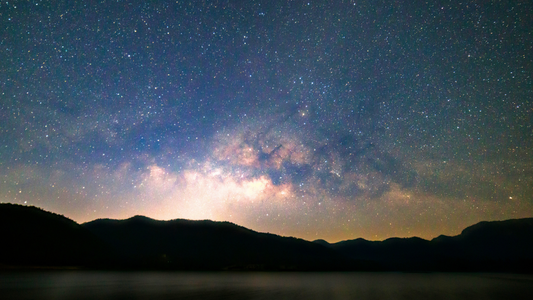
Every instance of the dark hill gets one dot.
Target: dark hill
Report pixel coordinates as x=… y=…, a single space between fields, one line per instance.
x=486 y=246
x=490 y=246
x=33 y=237
x=185 y=244
x=391 y=254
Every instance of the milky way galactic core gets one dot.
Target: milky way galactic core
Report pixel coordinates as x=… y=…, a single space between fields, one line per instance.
x=310 y=119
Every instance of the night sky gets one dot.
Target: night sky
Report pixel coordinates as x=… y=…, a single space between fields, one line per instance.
x=311 y=119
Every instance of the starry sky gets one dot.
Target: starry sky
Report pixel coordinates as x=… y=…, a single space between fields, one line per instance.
x=314 y=119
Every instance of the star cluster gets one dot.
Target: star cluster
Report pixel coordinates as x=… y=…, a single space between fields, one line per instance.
x=312 y=119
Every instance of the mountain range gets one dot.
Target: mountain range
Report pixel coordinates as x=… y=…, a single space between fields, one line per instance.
x=32 y=237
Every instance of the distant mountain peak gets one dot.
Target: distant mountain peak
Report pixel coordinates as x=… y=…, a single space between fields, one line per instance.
x=489 y=230
x=140 y=218
x=322 y=242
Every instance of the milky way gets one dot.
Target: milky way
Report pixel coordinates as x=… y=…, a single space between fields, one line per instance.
x=310 y=119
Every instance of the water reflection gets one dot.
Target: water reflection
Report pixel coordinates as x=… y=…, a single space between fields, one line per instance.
x=161 y=285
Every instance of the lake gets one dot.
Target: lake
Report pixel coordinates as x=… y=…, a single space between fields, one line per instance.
x=330 y=286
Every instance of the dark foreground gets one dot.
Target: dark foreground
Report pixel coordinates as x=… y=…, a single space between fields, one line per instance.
x=33 y=238
x=230 y=285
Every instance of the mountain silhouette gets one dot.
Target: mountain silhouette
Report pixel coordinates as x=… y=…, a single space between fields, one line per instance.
x=205 y=245
x=33 y=237
x=486 y=246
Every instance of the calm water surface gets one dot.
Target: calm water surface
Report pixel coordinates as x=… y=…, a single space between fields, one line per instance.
x=161 y=285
